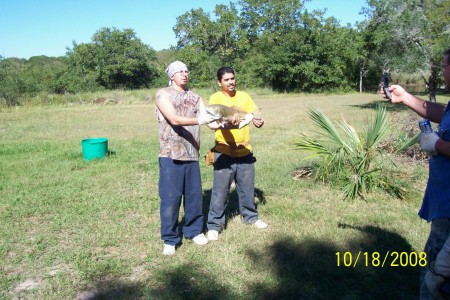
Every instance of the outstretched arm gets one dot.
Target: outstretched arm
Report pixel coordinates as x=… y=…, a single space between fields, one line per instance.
x=168 y=111
x=430 y=110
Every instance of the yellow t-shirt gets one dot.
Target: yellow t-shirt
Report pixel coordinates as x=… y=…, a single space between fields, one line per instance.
x=234 y=142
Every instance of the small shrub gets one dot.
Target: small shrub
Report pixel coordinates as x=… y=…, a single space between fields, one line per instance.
x=355 y=162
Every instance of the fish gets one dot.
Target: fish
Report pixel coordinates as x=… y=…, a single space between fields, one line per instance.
x=224 y=114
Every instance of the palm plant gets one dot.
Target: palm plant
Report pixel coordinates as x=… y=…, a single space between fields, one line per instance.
x=352 y=160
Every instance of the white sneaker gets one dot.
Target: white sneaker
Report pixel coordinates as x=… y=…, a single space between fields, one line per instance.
x=169 y=249
x=200 y=239
x=213 y=235
x=260 y=224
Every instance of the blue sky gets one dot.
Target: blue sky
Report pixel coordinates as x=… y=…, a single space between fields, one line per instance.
x=34 y=27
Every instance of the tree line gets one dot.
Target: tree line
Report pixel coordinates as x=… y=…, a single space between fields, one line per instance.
x=276 y=44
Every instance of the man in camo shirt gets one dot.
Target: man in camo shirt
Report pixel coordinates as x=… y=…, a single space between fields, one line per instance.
x=179 y=112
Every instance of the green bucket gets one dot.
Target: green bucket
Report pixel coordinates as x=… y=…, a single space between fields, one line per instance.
x=94 y=148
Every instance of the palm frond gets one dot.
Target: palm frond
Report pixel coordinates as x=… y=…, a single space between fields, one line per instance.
x=414 y=140
x=326 y=125
x=305 y=143
x=353 y=139
x=379 y=128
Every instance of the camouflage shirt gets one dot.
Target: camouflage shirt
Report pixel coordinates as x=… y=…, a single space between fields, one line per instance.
x=179 y=142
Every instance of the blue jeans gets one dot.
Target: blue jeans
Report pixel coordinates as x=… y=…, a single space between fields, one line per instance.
x=176 y=179
x=227 y=169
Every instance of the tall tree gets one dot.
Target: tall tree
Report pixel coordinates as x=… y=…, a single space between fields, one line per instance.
x=304 y=52
x=40 y=73
x=118 y=59
x=12 y=85
x=207 y=43
x=271 y=43
x=276 y=16
x=194 y=31
x=20 y=78
x=416 y=32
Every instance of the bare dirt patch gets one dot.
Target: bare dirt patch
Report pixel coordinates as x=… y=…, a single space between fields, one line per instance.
x=27 y=285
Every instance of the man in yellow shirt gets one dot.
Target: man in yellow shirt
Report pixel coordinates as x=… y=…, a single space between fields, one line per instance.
x=233 y=157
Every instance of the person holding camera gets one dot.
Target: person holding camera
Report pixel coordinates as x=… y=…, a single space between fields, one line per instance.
x=436 y=200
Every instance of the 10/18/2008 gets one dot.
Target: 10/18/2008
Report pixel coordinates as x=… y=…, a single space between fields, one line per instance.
x=376 y=259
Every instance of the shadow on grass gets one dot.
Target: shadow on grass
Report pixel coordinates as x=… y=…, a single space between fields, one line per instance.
x=189 y=281
x=309 y=270
x=389 y=106
x=111 y=289
x=183 y=282
x=305 y=269
x=186 y=281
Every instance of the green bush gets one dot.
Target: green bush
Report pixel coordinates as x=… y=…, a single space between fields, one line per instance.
x=354 y=161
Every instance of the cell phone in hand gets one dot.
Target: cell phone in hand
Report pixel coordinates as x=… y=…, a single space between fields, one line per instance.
x=386 y=85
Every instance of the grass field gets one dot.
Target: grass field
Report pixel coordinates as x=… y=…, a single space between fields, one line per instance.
x=72 y=229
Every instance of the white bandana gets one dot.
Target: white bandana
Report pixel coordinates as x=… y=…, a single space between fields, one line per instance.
x=176 y=66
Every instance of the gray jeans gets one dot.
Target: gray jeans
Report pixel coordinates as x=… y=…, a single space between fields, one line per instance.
x=227 y=169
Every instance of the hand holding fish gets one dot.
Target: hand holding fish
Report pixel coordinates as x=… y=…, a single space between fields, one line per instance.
x=235 y=119
x=248 y=118
x=205 y=117
x=224 y=114
x=233 y=115
x=258 y=122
